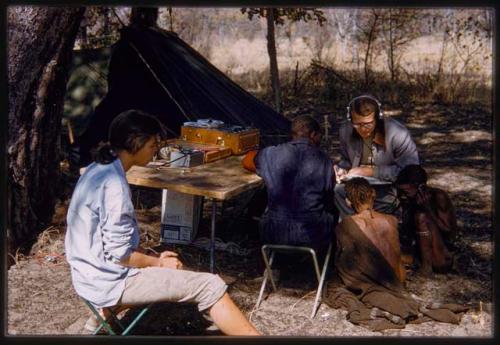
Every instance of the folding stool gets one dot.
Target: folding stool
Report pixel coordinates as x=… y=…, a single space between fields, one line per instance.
x=287 y=248
x=113 y=312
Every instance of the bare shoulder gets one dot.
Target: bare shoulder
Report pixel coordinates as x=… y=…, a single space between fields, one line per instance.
x=359 y=220
x=391 y=220
x=441 y=196
x=345 y=227
x=387 y=218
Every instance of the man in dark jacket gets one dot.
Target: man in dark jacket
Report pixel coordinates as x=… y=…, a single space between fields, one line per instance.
x=372 y=146
x=299 y=179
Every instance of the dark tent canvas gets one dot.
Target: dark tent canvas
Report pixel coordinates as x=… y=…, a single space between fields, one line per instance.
x=155 y=71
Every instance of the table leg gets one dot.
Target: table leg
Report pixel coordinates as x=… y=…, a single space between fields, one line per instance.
x=212 y=238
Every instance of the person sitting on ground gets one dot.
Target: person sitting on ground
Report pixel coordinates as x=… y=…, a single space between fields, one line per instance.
x=368 y=261
x=108 y=268
x=428 y=216
x=379 y=231
x=299 y=179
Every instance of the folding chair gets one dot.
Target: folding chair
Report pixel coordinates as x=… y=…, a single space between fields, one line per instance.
x=113 y=311
x=286 y=248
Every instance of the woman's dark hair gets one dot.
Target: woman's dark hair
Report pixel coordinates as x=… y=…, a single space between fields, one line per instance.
x=412 y=174
x=304 y=125
x=128 y=131
x=359 y=192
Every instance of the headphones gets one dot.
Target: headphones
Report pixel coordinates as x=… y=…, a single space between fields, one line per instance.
x=379 y=106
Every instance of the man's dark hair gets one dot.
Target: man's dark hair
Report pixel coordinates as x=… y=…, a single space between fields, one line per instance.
x=304 y=125
x=359 y=192
x=412 y=174
x=128 y=131
x=365 y=106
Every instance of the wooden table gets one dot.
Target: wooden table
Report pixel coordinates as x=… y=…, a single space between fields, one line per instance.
x=219 y=180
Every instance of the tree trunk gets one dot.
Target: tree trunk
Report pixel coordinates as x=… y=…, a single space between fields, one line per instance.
x=40 y=45
x=271 y=49
x=171 y=18
x=368 y=48
x=439 y=72
x=144 y=16
x=296 y=79
x=393 y=94
x=391 y=49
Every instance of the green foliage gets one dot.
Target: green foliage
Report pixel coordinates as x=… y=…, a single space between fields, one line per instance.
x=291 y=13
x=86 y=86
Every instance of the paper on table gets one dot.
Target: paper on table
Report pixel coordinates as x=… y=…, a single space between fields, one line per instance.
x=370 y=179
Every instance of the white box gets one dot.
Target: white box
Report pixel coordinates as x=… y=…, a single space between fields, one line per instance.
x=186 y=159
x=180 y=217
x=180 y=212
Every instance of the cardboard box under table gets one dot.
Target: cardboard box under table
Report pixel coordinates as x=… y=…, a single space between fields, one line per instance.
x=219 y=180
x=180 y=212
x=180 y=217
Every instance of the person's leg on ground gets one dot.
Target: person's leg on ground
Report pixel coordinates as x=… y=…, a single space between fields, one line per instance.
x=156 y=284
x=433 y=251
x=424 y=240
x=442 y=259
x=228 y=317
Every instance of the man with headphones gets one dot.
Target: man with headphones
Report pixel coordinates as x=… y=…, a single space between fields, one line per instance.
x=372 y=146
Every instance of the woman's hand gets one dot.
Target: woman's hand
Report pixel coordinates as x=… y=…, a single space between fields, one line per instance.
x=169 y=259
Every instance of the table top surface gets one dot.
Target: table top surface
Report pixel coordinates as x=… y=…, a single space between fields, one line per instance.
x=221 y=180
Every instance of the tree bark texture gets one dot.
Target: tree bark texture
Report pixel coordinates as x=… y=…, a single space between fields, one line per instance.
x=40 y=44
x=271 y=50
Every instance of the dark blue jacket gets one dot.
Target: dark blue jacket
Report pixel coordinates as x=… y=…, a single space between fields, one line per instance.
x=299 y=179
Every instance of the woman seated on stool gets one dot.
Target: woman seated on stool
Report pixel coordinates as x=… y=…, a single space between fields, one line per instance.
x=108 y=268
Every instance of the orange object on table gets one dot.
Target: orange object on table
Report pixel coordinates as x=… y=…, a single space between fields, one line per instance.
x=239 y=142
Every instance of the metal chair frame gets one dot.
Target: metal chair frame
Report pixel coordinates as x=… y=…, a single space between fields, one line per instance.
x=273 y=248
x=105 y=324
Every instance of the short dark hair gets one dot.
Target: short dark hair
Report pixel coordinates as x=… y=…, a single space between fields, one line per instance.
x=359 y=192
x=304 y=125
x=365 y=106
x=412 y=174
x=128 y=131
